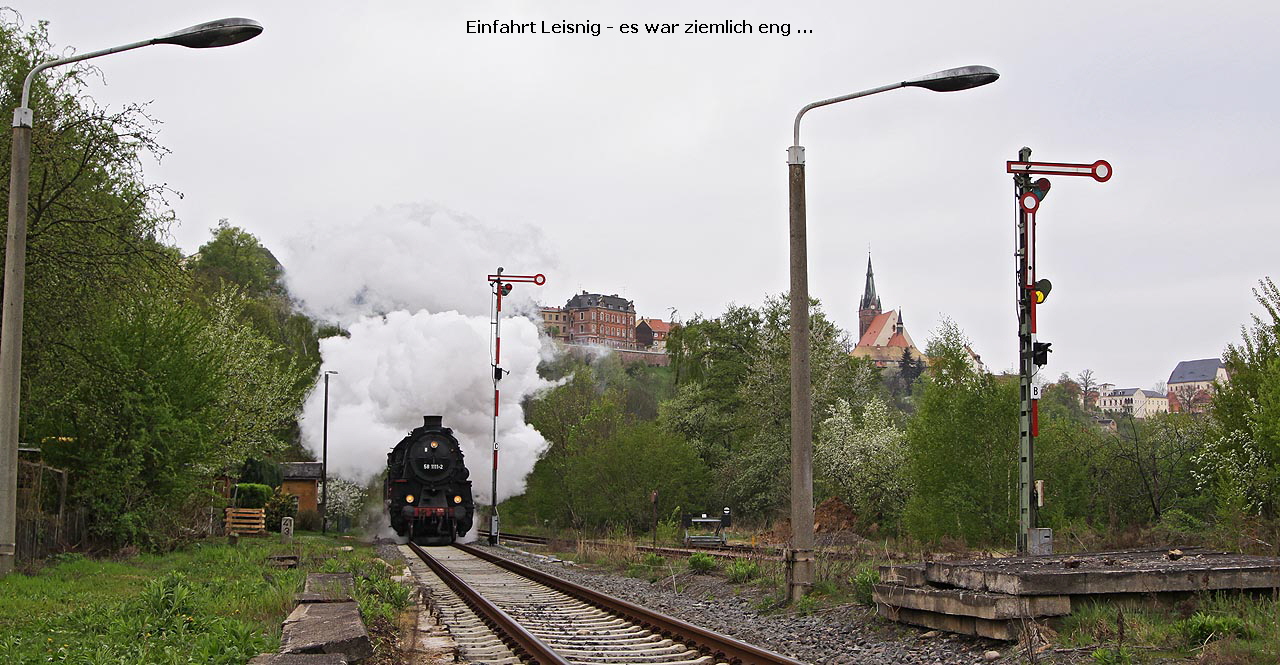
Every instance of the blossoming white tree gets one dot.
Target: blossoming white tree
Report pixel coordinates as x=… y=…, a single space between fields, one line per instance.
x=865 y=459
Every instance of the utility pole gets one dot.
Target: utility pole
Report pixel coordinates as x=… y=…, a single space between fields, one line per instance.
x=1033 y=354
x=501 y=287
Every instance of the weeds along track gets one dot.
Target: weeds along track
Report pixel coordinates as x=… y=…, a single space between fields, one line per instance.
x=502 y=612
x=761 y=553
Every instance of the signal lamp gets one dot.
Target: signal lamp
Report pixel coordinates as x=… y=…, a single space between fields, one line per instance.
x=1040 y=188
x=506 y=289
x=457 y=498
x=408 y=498
x=1040 y=290
x=1040 y=353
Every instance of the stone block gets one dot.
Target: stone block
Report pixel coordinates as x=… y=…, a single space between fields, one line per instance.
x=299 y=659
x=1150 y=571
x=326 y=628
x=908 y=575
x=978 y=604
x=1004 y=629
x=327 y=588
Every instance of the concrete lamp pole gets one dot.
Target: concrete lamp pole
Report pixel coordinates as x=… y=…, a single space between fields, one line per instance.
x=324 y=460
x=224 y=32
x=799 y=557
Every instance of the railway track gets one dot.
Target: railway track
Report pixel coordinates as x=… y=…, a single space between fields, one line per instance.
x=502 y=612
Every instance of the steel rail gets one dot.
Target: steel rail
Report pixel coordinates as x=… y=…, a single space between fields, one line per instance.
x=717 y=645
x=525 y=644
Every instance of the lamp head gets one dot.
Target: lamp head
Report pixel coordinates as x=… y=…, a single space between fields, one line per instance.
x=212 y=34
x=951 y=80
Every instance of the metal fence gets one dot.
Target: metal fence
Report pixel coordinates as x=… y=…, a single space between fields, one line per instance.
x=45 y=524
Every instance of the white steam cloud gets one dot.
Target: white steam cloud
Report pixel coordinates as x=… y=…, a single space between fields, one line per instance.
x=408 y=283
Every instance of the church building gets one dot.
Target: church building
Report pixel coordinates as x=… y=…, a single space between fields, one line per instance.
x=882 y=336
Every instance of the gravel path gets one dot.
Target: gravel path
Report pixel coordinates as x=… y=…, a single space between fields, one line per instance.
x=839 y=636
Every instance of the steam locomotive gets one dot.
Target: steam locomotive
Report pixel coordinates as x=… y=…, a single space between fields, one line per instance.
x=427 y=493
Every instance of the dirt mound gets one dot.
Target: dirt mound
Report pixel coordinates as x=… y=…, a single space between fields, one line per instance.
x=833 y=515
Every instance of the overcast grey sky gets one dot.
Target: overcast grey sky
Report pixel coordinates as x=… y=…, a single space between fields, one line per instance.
x=653 y=166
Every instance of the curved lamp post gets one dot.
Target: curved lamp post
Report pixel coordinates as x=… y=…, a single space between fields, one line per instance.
x=800 y=554
x=223 y=32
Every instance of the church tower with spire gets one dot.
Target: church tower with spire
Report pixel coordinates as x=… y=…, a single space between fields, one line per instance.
x=869 y=309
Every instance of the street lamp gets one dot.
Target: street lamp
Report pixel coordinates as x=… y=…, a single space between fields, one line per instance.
x=224 y=32
x=799 y=560
x=324 y=463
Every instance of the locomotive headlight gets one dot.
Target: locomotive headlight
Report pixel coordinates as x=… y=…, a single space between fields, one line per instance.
x=408 y=498
x=457 y=499
x=435 y=444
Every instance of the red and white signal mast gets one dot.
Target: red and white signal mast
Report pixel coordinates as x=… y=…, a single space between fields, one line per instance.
x=501 y=286
x=1033 y=354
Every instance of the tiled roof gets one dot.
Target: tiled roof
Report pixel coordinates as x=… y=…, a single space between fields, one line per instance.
x=1188 y=371
x=615 y=302
x=658 y=325
x=877 y=326
x=300 y=470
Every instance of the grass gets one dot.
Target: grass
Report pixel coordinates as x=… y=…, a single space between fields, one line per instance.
x=212 y=603
x=1215 y=627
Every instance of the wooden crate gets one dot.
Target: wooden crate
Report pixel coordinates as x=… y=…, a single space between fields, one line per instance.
x=246 y=521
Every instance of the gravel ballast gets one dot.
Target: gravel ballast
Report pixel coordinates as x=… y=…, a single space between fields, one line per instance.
x=847 y=634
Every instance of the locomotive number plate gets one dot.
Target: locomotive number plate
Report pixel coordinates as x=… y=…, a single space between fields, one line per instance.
x=428 y=466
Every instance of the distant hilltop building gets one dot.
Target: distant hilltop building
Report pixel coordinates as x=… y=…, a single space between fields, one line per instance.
x=555 y=321
x=1191 y=384
x=882 y=336
x=1136 y=401
x=598 y=320
x=652 y=334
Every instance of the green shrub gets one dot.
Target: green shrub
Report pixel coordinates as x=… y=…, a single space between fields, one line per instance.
x=279 y=507
x=1119 y=656
x=701 y=562
x=653 y=560
x=825 y=588
x=1200 y=628
x=252 y=495
x=742 y=570
x=1176 y=521
x=863 y=581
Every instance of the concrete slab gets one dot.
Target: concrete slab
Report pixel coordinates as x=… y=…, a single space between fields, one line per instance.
x=1005 y=629
x=327 y=588
x=326 y=628
x=978 y=604
x=905 y=575
x=1136 y=571
x=299 y=659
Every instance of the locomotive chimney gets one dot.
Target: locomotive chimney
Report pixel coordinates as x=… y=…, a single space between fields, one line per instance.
x=433 y=422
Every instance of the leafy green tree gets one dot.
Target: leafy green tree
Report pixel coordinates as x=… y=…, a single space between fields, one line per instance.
x=235 y=256
x=602 y=463
x=963 y=444
x=140 y=390
x=1062 y=400
x=733 y=401
x=1242 y=463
